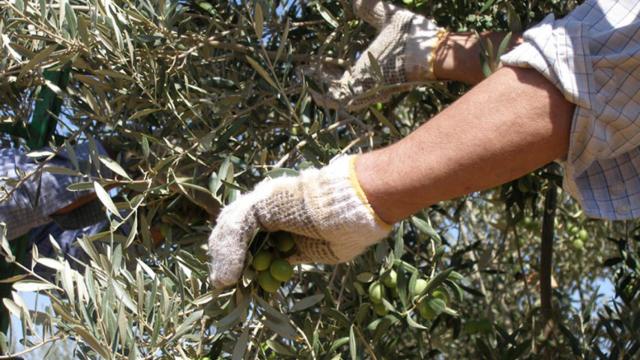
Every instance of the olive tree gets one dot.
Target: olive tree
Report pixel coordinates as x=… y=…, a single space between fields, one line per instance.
x=200 y=100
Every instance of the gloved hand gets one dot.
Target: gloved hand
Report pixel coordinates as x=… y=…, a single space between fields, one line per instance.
x=404 y=49
x=325 y=209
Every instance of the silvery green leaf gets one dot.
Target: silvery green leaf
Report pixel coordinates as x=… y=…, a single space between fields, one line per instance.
x=353 y=350
x=187 y=324
x=33 y=285
x=105 y=199
x=412 y=323
x=114 y=166
x=307 y=302
x=258 y=21
x=241 y=345
x=4 y=243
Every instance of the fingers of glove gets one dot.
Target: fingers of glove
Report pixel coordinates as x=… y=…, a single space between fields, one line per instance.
x=321 y=73
x=366 y=93
x=310 y=250
x=333 y=92
x=375 y=95
x=283 y=205
x=229 y=240
x=388 y=50
x=376 y=13
x=354 y=92
x=332 y=99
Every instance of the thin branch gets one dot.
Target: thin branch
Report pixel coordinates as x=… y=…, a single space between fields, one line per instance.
x=366 y=344
x=28 y=350
x=298 y=58
x=546 y=250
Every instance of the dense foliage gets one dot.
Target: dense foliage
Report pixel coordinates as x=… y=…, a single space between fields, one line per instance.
x=201 y=100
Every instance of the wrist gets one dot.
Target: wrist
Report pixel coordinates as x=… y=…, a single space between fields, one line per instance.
x=457 y=56
x=360 y=192
x=367 y=169
x=423 y=40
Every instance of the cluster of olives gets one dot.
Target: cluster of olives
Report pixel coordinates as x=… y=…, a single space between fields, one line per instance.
x=578 y=236
x=270 y=263
x=377 y=291
x=428 y=308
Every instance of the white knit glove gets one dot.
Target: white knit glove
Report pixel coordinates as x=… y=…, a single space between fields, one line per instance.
x=325 y=210
x=404 y=49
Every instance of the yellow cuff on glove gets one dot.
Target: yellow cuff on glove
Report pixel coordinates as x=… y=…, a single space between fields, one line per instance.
x=363 y=197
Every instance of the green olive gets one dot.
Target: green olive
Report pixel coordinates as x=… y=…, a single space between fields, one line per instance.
x=376 y=292
x=419 y=287
x=262 y=260
x=390 y=279
x=426 y=312
x=577 y=244
x=380 y=309
x=432 y=307
x=281 y=270
x=441 y=294
x=573 y=230
x=267 y=282
x=284 y=241
x=583 y=235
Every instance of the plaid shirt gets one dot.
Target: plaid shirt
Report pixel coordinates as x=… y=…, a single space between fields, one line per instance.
x=31 y=204
x=593 y=56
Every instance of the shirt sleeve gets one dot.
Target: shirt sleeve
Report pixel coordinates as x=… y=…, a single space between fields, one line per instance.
x=593 y=56
x=25 y=205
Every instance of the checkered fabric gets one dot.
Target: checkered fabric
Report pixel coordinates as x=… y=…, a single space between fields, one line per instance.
x=593 y=56
x=66 y=240
x=40 y=237
x=31 y=204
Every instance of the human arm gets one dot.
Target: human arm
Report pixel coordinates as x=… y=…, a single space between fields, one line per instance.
x=507 y=126
x=457 y=57
x=409 y=50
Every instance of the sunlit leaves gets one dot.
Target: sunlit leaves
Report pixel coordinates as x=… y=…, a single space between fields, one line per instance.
x=199 y=101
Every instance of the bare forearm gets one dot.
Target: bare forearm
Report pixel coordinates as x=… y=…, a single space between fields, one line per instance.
x=510 y=124
x=458 y=56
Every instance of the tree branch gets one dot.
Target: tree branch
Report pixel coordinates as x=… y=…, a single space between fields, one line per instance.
x=546 y=250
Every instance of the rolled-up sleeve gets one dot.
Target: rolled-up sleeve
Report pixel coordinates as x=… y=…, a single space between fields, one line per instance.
x=593 y=56
x=30 y=203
